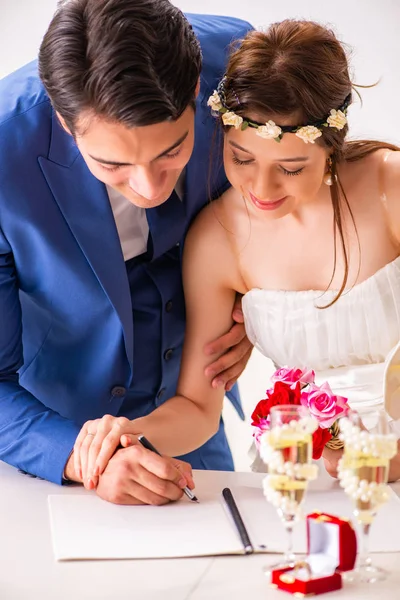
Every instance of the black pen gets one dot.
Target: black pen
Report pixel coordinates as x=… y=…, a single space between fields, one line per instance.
x=149 y=446
x=237 y=519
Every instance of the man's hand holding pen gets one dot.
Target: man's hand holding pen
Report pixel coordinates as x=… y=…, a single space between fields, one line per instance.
x=130 y=474
x=135 y=475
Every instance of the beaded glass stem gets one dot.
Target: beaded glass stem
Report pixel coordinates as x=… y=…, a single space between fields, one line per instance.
x=287 y=450
x=363 y=473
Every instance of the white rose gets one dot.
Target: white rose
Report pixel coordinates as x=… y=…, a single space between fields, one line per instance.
x=214 y=102
x=269 y=131
x=309 y=133
x=337 y=119
x=229 y=118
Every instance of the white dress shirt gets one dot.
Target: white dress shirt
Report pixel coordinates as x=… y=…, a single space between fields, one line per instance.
x=131 y=221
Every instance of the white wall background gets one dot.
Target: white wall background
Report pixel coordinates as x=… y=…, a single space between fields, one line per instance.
x=369 y=27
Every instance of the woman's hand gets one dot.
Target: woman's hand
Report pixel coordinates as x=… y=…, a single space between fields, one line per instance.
x=331 y=460
x=96 y=443
x=332 y=457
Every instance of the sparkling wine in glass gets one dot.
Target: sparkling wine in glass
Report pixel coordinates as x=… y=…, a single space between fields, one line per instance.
x=363 y=473
x=287 y=450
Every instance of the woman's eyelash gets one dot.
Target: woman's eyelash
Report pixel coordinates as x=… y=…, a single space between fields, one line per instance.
x=237 y=161
x=292 y=173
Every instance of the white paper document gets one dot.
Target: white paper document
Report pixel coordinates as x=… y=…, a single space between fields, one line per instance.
x=85 y=527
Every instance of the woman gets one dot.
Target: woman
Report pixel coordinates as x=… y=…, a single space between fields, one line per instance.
x=309 y=231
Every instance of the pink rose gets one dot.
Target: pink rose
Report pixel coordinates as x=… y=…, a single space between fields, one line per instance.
x=262 y=426
x=292 y=376
x=324 y=405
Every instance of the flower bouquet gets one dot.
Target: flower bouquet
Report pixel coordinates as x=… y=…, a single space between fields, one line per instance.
x=297 y=387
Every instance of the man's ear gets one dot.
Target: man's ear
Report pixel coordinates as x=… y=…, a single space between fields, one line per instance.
x=63 y=123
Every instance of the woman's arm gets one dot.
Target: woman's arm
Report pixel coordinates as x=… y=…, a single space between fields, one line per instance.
x=186 y=421
x=389 y=190
x=190 y=418
x=390 y=194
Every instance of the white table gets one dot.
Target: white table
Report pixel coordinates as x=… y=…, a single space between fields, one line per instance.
x=28 y=569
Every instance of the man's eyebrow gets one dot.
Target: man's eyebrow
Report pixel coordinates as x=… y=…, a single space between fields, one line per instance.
x=175 y=145
x=291 y=159
x=126 y=164
x=104 y=161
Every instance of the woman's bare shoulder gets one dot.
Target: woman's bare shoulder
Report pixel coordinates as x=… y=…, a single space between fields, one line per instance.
x=391 y=167
x=384 y=158
x=209 y=238
x=385 y=165
x=215 y=219
x=375 y=174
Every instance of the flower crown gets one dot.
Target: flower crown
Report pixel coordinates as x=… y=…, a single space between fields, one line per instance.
x=337 y=119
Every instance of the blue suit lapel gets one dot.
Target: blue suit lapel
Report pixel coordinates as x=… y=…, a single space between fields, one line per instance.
x=205 y=176
x=84 y=203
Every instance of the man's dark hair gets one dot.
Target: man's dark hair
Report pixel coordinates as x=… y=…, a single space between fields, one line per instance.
x=132 y=61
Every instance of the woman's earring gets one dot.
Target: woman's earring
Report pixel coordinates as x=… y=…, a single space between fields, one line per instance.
x=328 y=179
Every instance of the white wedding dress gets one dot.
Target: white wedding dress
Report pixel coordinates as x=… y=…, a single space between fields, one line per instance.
x=354 y=344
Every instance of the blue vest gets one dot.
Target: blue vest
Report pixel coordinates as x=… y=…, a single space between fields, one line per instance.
x=82 y=335
x=158 y=318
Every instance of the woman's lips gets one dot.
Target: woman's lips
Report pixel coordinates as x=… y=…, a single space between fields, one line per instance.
x=269 y=205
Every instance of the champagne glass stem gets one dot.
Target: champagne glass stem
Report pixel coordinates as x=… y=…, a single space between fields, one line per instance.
x=365 y=559
x=289 y=556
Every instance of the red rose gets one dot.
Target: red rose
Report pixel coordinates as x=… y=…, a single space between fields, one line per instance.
x=281 y=393
x=320 y=438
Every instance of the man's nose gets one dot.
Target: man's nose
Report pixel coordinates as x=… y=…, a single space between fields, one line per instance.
x=147 y=182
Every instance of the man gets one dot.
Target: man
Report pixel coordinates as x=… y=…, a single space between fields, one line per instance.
x=104 y=164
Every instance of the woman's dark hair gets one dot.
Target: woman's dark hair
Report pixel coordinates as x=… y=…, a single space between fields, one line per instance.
x=132 y=61
x=299 y=67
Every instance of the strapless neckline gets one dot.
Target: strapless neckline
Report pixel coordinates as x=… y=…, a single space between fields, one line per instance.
x=345 y=344
x=392 y=265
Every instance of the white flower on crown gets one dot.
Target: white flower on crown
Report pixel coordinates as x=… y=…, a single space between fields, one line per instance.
x=214 y=101
x=308 y=133
x=269 y=131
x=230 y=118
x=337 y=119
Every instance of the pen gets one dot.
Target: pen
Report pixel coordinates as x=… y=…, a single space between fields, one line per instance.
x=237 y=519
x=149 y=446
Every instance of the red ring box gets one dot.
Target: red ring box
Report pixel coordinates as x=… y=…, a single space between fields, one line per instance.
x=331 y=549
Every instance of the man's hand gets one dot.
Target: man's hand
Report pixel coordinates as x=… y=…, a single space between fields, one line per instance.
x=135 y=475
x=235 y=349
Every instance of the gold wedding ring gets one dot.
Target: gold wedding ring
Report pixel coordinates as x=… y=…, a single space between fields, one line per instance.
x=302 y=565
x=291 y=576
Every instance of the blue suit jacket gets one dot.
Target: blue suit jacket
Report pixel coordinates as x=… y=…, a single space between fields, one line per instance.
x=67 y=335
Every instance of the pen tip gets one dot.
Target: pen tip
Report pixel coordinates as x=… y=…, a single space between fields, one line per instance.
x=195 y=499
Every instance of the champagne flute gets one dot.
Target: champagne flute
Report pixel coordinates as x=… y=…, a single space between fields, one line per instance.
x=363 y=473
x=287 y=450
